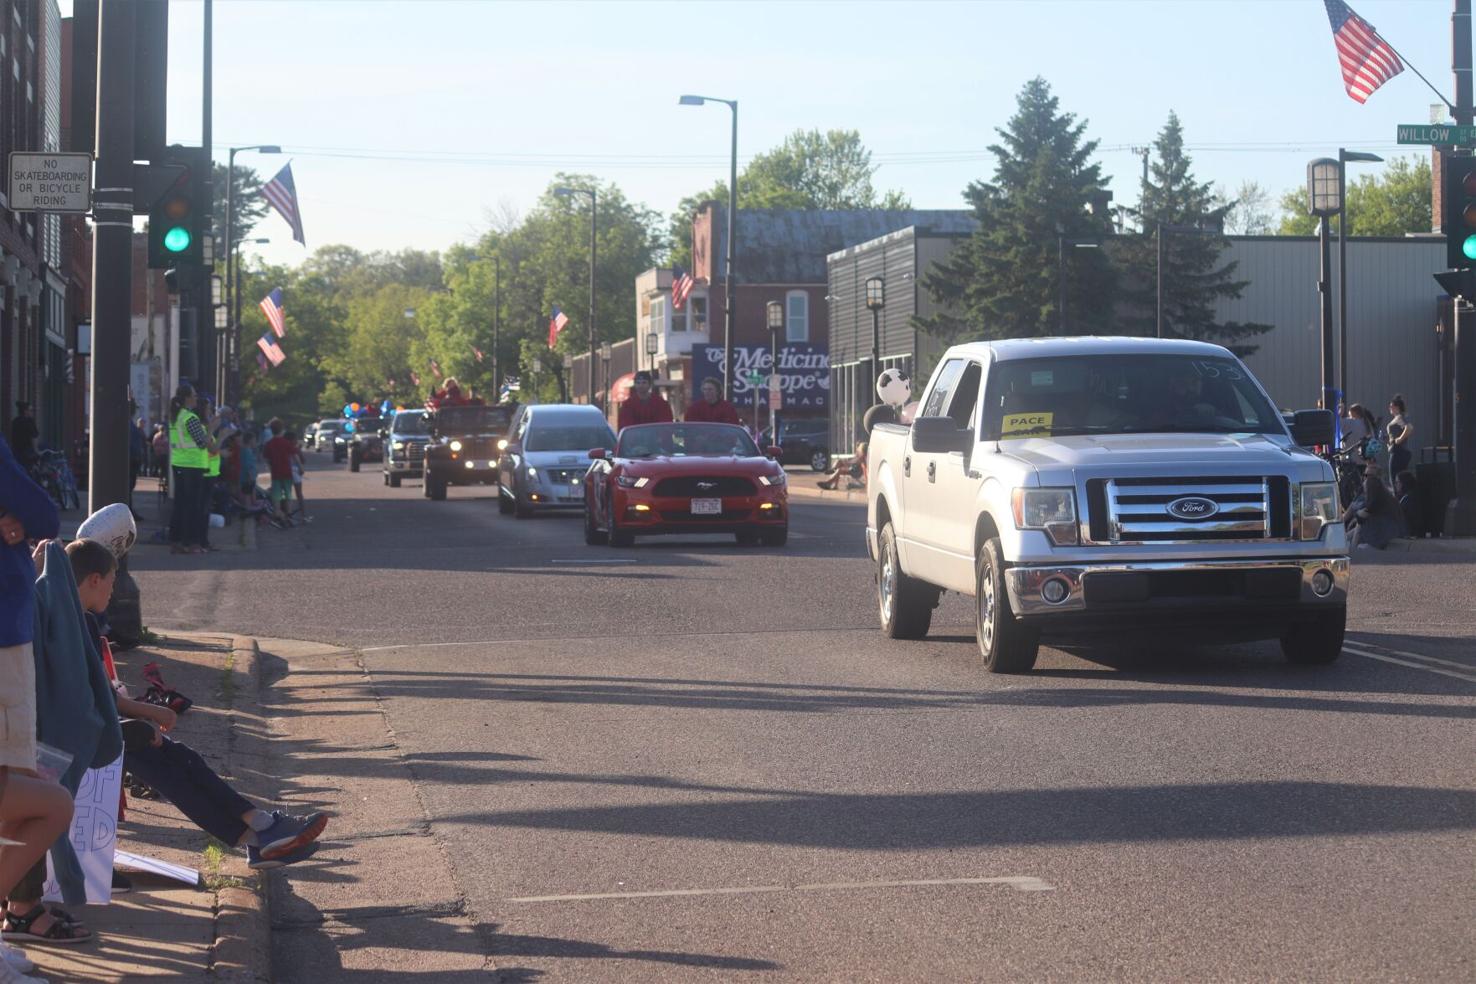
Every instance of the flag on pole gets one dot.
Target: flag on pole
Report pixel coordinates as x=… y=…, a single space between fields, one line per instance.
x=414 y=378
x=1366 y=59
x=271 y=306
x=555 y=325
x=271 y=349
x=261 y=360
x=681 y=285
x=477 y=352
x=435 y=367
x=281 y=194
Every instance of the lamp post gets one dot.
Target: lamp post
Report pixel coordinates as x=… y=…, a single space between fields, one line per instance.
x=876 y=300
x=652 y=343
x=1325 y=199
x=230 y=239
x=1345 y=157
x=604 y=390
x=728 y=369
x=775 y=311
x=565 y=193
x=564 y=378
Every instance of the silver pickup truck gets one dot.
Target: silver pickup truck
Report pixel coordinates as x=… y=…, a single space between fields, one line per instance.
x=1105 y=489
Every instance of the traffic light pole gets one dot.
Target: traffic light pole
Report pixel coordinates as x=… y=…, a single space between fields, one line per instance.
x=112 y=275
x=1460 y=515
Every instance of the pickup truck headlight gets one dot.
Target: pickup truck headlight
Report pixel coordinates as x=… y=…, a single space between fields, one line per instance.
x=1317 y=506
x=532 y=472
x=628 y=482
x=455 y=445
x=1051 y=510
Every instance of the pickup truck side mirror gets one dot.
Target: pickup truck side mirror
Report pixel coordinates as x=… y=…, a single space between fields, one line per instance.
x=940 y=434
x=1310 y=428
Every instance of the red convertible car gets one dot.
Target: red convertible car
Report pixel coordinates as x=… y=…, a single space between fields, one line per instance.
x=685 y=478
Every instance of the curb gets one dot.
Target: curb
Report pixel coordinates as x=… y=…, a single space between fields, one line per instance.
x=242 y=951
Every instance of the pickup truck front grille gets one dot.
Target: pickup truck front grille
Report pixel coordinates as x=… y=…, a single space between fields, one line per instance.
x=1204 y=508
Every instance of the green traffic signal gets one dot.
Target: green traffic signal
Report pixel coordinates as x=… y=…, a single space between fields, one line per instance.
x=177 y=239
x=1469 y=247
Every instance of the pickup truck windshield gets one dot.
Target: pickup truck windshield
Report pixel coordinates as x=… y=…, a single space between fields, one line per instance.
x=1124 y=394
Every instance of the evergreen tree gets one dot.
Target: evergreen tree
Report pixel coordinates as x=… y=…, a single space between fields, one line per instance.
x=1006 y=279
x=1194 y=275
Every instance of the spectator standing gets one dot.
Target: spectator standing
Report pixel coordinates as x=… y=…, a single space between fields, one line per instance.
x=279 y=454
x=250 y=466
x=643 y=405
x=138 y=454
x=299 y=463
x=1399 y=430
x=711 y=409
x=160 y=443
x=189 y=456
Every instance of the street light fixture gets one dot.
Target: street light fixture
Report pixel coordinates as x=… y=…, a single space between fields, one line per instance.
x=776 y=325
x=1345 y=157
x=728 y=367
x=1324 y=200
x=876 y=300
x=235 y=376
x=593 y=208
x=652 y=344
x=605 y=362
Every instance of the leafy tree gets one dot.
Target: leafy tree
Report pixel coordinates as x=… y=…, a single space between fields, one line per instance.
x=248 y=207
x=1250 y=211
x=1393 y=203
x=809 y=170
x=1194 y=276
x=1003 y=280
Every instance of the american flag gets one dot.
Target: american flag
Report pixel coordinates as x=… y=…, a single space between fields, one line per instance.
x=1367 y=60
x=271 y=349
x=261 y=360
x=555 y=325
x=414 y=378
x=477 y=352
x=435 y=367
x=681 y=285
x=281 y=194
x=271 y=306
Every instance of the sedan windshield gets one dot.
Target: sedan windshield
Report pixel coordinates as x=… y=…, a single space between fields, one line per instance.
x=1124 y=394
x=704 y=440
x=409 y=422
x=577 y=438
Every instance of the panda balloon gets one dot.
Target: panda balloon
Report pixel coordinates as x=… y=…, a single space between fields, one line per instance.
x=113 y=527
x=894 y=388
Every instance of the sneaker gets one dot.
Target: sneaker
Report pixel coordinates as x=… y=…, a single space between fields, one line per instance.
x=288 y=833
x=16 y=957
x=122 y=884
x=259 y=863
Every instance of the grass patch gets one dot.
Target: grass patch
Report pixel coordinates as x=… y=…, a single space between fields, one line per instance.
x=211 y=859
x=227 y=690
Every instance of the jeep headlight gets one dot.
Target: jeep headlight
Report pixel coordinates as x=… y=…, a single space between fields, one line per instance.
x=1317 y=506
x=455 y=445
x=399 y=445
x=1051 y=510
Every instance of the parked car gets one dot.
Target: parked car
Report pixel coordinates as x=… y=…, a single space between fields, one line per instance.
x=547 y=455
x=464 y=445
x=685 y=478
x=404 y=453
x=1088 y=488
x=309 y=436
x=803 y=440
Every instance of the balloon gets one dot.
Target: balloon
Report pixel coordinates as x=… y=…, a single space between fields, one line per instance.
x=354 y=407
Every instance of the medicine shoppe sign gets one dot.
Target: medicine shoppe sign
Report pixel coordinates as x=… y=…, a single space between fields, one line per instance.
x=804 y=374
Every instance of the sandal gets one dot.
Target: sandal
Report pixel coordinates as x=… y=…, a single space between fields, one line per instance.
x=62 y=931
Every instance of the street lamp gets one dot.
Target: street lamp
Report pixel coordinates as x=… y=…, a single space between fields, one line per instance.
x=230 y=240
x=564 y=378
x=776 y=325
x=1345 y=157
x=604 y=392
x=728 y=368
x=876 y=299
x=566 y=193
x=1325 y=199
x=652 y=343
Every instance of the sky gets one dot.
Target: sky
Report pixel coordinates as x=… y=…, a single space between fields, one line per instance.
x=410 y=122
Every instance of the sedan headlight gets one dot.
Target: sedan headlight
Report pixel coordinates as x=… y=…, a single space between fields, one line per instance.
x=627 y=482
x=455 y=445
x=772 y=479
x=1317 y=506
x=1051 y=510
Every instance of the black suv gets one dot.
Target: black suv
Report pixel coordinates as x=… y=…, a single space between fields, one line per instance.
x=365 y=442
x=463 y=448
x=404 y=450
x=805 y=440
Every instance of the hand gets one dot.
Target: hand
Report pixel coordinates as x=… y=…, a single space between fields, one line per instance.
x=38 y=557
x=163 y=717
x=11 y=530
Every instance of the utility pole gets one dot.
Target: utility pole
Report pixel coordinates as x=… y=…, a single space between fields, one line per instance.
x=496 y=320
x=112 y=282
x=592 y=240
x=1460 y=516
x=203 y=301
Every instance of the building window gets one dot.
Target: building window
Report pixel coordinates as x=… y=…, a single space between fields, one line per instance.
x=678 y=316
x=797 y=316
x=658 y=315
x=699 y=312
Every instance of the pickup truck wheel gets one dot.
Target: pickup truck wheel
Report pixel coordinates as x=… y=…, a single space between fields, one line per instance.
x=1006 y=645
x=394 y=480
x=353 y=461
x=904 y=603
x=1318 y=642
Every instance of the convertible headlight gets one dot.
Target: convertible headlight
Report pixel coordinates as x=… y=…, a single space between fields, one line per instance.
x=772 y=479
x=1051 y=510
x=455 y=445
x=627 y=482
x=1317 y=506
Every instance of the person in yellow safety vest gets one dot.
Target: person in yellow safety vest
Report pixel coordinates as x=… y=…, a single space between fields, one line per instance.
x=190 y=445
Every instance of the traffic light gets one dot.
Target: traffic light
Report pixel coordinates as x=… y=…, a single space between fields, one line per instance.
x=1458 y=203
x=178 y=217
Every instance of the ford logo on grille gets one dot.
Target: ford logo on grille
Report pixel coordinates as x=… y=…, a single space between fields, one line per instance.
x=1193 y=507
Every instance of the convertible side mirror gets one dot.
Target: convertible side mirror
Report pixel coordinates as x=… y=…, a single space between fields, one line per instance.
x=597 y=454
x=1310 y=428
x=774 y=451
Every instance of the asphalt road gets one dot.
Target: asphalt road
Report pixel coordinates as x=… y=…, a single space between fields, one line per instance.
x=688 y=760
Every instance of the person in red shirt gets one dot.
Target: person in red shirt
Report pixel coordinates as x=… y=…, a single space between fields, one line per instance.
x=279 y=453
x=711 y=409
x=643 y=406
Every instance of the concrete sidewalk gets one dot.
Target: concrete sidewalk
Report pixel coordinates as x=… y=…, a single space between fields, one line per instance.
x=217 y=930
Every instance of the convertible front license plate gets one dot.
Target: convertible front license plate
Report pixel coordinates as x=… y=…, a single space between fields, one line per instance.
x=707 y=507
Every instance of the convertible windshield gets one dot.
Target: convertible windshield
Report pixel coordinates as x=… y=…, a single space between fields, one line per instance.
x=1124 y=394
x=705 y=440
x=409 y=422
x=578 y=438
x=473 y=420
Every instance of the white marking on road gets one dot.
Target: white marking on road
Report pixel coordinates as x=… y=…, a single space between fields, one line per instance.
x=581 y=563
x=1468 y=667
x=1467 y=677
x=1020 y=883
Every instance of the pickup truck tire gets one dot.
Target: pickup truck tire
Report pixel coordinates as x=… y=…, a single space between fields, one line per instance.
x=1318 y=642
x=394 y=480
x=1006 y=645
x=353 y=461
x=904 y=604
